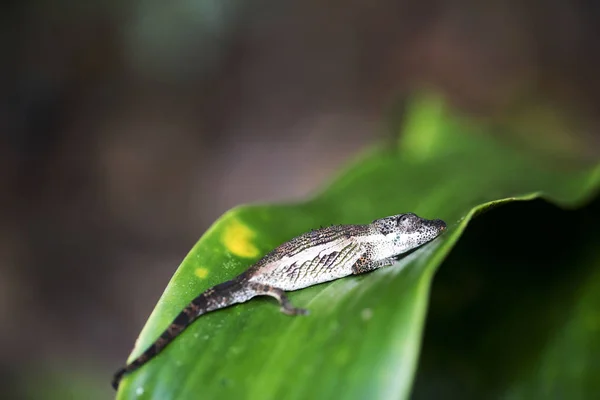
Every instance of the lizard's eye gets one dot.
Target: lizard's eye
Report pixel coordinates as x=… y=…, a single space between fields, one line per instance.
x=402 y=219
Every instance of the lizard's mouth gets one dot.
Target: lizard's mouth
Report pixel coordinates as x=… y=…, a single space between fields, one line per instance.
x=439 y=224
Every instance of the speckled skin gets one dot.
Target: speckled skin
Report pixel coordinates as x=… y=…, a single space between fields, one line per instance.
x=315 y=257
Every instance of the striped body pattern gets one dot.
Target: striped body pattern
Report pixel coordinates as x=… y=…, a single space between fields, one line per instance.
x=298 y=264
x=315 y=257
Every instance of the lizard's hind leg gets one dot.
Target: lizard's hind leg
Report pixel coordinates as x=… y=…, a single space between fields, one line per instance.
x=284 y=302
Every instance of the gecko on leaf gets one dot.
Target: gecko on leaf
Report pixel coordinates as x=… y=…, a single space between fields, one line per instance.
x=315 y=257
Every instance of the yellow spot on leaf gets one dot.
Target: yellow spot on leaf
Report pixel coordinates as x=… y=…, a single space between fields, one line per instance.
x=237 y=237
x=201 y=273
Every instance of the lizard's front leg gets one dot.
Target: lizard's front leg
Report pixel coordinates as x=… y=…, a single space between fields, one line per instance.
x=286 y=306
x=363 y=264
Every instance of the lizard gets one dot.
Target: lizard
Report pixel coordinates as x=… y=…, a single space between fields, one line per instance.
x=314 y=257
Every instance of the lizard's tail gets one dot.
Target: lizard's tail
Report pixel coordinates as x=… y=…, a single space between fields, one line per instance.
x=217 y=297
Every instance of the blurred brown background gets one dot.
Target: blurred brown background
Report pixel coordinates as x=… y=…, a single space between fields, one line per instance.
x=127 y=128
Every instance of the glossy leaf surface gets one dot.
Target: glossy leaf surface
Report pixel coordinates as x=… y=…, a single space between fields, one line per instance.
x=362 y=338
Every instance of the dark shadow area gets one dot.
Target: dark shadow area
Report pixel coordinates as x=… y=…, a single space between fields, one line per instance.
x=505 y=290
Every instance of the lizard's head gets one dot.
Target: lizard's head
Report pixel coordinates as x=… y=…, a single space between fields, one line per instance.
x=409 y=230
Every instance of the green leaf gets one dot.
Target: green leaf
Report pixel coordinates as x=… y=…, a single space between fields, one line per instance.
x=362 y=338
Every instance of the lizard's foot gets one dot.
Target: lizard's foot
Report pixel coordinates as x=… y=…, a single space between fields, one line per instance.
x=284 y=302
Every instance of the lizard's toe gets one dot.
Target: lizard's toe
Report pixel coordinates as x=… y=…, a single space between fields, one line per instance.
x=294 y=311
